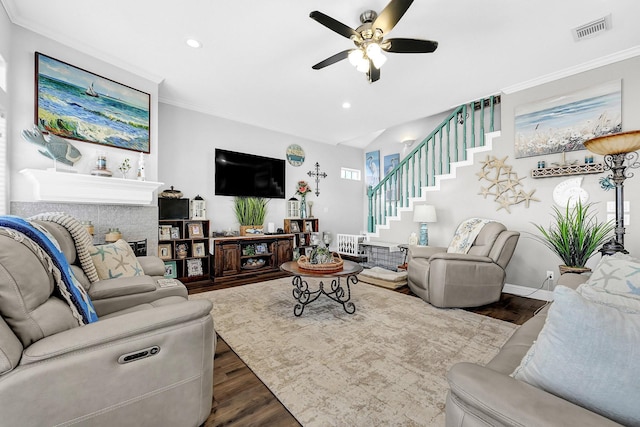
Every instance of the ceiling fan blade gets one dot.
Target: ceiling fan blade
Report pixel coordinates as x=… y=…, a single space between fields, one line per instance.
x=332 y=59
x=374 y=73
x=333 y=25
x=391 y=14
x=409 y=45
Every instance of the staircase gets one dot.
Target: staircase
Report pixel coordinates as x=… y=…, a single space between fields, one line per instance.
x=468 y=129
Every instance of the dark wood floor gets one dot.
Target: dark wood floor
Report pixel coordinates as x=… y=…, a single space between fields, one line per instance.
x=241 y=399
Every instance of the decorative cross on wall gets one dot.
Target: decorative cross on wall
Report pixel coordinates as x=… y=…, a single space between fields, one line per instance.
x=318 y=175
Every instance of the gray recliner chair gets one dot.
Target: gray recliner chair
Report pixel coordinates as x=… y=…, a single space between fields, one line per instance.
x=147 y=365
x=468 y=279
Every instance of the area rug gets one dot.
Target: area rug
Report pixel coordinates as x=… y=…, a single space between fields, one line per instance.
x=384 y=365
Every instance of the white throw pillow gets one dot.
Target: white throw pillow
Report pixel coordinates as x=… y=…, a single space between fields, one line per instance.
x=588 y=353
x=115 y=260
x=615 y=280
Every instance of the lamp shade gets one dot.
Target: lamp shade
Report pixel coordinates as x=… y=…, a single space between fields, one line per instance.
x=617 y=143
x=424 y=213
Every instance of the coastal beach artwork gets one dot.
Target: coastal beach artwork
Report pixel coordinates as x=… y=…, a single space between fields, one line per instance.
x=372 y=169
x=390 y=163
x=76 y=104
x=565 y=122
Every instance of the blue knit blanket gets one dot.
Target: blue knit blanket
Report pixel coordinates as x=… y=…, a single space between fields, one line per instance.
x=67 y=284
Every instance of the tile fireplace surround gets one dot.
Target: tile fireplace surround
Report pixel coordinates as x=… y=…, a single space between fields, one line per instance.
x=134 y=222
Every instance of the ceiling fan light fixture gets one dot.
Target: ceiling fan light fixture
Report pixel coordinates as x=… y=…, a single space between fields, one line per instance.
x=358 y=60
x=374 y=52
x=369 y=39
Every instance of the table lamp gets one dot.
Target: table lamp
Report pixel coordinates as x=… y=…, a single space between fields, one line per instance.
x=616 y=149
x=424 y=214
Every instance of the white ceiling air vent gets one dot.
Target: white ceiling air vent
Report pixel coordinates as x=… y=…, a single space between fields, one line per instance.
x=592 y=29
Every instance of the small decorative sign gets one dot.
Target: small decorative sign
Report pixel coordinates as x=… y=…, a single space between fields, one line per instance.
x=295 y=155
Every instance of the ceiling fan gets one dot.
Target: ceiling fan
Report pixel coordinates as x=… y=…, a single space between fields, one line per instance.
x=369 y=40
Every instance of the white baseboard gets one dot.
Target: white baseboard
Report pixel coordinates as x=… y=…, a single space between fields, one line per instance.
x=524 y=291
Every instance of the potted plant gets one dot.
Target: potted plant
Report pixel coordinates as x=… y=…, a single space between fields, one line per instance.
x=575 y=235
x=250 y=212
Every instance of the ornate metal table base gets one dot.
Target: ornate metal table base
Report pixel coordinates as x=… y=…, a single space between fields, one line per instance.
x=339 y=291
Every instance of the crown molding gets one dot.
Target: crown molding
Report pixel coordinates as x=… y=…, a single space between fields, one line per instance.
x=567 y=72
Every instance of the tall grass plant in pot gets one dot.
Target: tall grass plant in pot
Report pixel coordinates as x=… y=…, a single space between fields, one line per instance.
x=250 y=213
x=574 y=235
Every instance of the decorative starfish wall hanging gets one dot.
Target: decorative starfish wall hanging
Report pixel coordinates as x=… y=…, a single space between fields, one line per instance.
x=505 y=185
x=318 y=175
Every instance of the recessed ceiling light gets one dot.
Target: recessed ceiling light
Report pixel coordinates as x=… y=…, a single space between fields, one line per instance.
x=346 y=105
x=193 y=43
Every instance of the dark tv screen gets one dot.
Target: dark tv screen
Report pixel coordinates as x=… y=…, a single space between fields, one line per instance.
x=248 y=175
x=173 y=208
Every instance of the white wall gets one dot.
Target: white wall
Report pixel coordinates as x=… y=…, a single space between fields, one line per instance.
x=5 y=52
x=21 y=81
x=5 y=47
x=460 y=198
x=188 y=140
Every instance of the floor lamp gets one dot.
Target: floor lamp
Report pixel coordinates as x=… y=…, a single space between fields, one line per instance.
x=617 y=149
x=424 y=214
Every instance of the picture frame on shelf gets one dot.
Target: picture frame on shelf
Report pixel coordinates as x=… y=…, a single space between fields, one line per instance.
x=308 y=226
x=175 y=232
x=261 y=248
x=194 y=267
x=110 y=108
x=170 y=270
x=164 y=251
x=195 y=230
x=293 y=226
x=198 y=249
x=164 y=232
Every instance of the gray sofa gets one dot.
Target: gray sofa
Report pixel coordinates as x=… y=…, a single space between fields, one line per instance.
x=146 y=361
x=489 y=396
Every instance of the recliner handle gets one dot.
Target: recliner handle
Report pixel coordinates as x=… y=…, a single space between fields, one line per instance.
x=140 y=354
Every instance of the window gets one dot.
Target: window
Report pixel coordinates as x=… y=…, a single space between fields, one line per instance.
x=3 y=162
x=353 y=174
x=3 y=74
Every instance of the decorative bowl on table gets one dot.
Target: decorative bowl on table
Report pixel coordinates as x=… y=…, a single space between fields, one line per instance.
x=253 y=263
x=331 y=264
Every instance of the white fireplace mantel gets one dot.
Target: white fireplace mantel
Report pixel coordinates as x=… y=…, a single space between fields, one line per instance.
x=64 y=187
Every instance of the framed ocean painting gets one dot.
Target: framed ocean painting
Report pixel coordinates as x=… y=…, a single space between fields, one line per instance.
x=565 y=122
x=76 y=104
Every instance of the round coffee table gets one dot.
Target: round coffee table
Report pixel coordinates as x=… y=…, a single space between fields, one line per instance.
x=339 y=291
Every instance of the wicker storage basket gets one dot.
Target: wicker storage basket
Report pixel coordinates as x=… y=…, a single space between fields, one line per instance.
x=329 y=267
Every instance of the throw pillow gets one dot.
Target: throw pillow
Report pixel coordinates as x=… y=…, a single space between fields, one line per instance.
x=115 y=260
x=587 y=353
x=615 y=280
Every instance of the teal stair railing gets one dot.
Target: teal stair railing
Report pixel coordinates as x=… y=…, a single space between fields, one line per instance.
x=464 y=128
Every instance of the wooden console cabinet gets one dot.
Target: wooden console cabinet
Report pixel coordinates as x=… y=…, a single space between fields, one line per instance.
x=250 y=258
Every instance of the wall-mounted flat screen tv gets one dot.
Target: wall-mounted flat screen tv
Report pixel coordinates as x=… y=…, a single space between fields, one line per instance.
x=248 y=175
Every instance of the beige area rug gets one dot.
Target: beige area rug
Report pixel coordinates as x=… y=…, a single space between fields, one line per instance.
x=384 y=365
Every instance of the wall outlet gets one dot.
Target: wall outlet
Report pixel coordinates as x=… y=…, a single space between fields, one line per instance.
x=549 y=274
